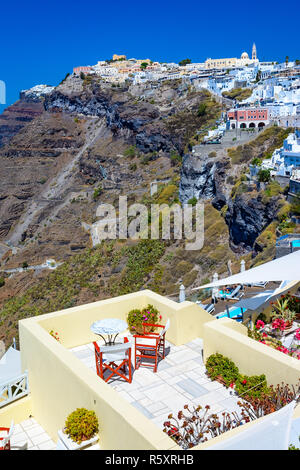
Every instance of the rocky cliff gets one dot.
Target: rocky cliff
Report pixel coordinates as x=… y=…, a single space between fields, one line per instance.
x=86 y=143
x=247 y=217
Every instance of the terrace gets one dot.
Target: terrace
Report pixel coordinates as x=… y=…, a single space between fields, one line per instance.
x=62 y=374
x=180 y=380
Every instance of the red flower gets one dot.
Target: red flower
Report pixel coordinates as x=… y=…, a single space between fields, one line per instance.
x=244 y=382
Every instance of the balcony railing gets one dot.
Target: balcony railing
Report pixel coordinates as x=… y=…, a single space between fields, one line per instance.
x=14 y=389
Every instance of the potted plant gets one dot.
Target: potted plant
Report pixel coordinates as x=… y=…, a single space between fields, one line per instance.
x=136 y=318
x=282 y=311
x=80 y=429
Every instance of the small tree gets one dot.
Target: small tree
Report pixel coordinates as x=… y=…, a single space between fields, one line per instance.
x=144 y=65
x=264 y=176
x=185 y=62
x=201 y=109
x=287 y=60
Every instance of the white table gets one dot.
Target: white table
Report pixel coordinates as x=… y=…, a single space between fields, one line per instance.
x=110 y=327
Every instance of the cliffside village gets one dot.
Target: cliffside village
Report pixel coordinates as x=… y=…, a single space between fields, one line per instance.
x=275 y=97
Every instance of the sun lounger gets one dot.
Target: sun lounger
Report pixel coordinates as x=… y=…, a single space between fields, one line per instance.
x=208 y=307
x=234 y=295
x=258 y=284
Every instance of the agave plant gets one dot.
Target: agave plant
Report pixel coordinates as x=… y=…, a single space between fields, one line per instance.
x=281 y=310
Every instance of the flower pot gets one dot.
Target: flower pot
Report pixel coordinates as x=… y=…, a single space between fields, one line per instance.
x=71 y=445
x=220 y=379
x=288 y=325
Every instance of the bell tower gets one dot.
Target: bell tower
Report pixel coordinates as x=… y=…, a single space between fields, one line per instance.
x=254 y=53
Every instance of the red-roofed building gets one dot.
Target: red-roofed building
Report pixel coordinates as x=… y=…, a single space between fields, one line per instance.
x=243 y=118
x=82 y=68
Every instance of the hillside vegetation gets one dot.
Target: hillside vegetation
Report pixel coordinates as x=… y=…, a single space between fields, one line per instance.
x=238 y=94
x=261 y=147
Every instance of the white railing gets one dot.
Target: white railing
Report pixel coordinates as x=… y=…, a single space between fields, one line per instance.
x=14 y=389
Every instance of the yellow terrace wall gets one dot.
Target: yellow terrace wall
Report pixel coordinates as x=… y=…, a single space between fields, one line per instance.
x=18 y=411
x=230 y=338
x=73 y=324
x=60 y=382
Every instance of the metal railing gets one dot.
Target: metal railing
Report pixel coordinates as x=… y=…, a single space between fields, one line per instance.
x=14 y=389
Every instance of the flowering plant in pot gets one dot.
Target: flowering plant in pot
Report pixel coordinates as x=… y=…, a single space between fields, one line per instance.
x=281 y=311
x=136 y=318
x=81 y=425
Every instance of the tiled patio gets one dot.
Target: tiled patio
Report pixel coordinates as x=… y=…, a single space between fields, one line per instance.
x=179 y=380
x=29 y=435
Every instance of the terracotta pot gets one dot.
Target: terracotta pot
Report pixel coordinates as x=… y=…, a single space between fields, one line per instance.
x=220 y=379
x=288 y=325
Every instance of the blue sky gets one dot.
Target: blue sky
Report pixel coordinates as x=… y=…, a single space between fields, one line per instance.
x=42 y=41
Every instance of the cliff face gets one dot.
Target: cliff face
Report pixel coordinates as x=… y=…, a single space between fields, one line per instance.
x=247 y=217
x=204 y=178
x=87 y=143
x=137 y=122
x=16 y=116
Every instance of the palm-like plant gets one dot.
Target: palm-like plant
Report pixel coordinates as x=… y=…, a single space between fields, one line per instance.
x=281 y=310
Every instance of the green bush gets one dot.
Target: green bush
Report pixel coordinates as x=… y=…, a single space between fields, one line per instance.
x=193 y=201
x=244 y=386
x=133 y=167
x=264 y=176
x=220 y=366
x=97 y=192
x=136 y=318
x=2 y=281
x=81 y=425
x=202 y=109
x=130 y=151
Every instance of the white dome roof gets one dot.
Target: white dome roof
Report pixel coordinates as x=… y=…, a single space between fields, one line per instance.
x=244 y=55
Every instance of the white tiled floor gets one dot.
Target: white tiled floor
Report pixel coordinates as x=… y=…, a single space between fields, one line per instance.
x=180 y=379
x=30 y=435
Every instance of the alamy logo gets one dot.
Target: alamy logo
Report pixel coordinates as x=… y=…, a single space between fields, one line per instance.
x=2 y=92
x=160 y=221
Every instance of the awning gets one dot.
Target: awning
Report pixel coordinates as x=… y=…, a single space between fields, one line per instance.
x=270 y=433
x=10 y=365
x=286 y=268
x=253 y=303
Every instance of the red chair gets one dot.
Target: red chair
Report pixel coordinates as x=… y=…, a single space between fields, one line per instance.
x=150 y=346
x=5 y=436
x=114 y=359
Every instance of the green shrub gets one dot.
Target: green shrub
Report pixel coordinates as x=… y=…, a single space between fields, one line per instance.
x=81 y=425
x=2 y=281
x=202 y=109
x=193 y=201
x=175 y=158
x=220 y=366
x=244 y=386
x=130 y=151
x=97 y=192
x=136 y=318
x=264 y=176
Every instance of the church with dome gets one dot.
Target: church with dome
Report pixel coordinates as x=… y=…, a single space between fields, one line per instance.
x=233 y=61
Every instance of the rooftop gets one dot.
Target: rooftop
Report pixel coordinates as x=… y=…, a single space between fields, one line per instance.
x=179 y=380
